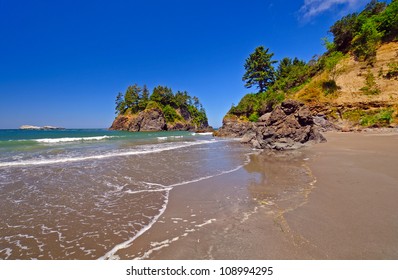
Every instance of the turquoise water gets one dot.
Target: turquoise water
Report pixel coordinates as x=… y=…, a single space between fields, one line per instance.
x=19 y=134
x=29 y=147
x=86 y=193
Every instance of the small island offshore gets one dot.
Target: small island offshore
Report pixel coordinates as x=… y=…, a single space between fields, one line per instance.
x=138 y=110
x=34 y=127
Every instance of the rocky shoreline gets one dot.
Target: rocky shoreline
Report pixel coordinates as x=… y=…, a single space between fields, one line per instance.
x=288 y=126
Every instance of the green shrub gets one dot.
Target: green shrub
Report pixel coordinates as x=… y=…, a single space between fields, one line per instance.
x=170 y=114
x=354 y=116
x=392 y=71
x=153 y=105
x=270 y=100
x=370 y=87
x=127 y=112
x=330 y=62
x=198 y=116
x=366 y=41
x=329 y=87
x=382 y=118
x=254 y=117
x=249 y=104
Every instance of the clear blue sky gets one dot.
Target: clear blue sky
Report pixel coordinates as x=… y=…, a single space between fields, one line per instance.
x=62 y=63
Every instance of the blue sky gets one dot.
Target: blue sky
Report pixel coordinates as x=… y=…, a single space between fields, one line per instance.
x=62 y=63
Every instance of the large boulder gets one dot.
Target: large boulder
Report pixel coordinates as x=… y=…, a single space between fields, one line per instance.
x=234 y=127
x=289 y=126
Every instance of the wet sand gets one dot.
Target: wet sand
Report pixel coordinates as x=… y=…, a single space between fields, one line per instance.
x=335 y=200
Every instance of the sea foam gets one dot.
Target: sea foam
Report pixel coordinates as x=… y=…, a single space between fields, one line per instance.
x=112 y=253
x=72 y=139
x=147 y=150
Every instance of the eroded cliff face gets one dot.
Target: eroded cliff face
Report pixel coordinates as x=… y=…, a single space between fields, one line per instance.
x=363 y=91
x=147 y=120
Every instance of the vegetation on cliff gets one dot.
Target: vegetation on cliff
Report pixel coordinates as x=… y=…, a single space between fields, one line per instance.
x=354 y=69
x=161 y=110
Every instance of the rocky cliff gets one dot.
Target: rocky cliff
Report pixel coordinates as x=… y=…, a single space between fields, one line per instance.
x=138 y=110
x=289 y=126
x=154 y=120
x=148 y=120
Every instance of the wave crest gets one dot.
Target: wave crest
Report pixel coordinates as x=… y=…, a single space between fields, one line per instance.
x=146 y=150
x=72 y=139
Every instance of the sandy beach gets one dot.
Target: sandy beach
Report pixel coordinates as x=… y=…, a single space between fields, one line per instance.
x=352 y=212
x=335 y=200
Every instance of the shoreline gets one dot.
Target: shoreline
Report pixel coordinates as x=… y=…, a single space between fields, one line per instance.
x=289 y=205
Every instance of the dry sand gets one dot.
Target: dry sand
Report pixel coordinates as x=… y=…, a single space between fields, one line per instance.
x=353 y=211
x=336 y=200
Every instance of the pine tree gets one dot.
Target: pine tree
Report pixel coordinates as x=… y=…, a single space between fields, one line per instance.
x=120 y=104
x=259 y=69
x=144 y=98
x=132 y=97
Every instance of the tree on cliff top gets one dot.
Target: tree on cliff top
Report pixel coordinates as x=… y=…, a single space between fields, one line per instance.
x=137 y=99
x=132 y=97
x=259 y=69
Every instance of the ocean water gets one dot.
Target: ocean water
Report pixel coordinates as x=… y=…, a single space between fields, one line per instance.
x=84 y=194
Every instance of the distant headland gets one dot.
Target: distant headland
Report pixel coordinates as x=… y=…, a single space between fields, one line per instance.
x=46 y=127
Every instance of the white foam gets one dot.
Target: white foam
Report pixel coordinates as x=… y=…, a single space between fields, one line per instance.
x=147 y=191
x=156 y=246
x=169 y=137
x=72 y=139
x=206 y=177
x=7 y=252
x=111 y=254
x=205 y=133
x=206 y=223
x=103 y=156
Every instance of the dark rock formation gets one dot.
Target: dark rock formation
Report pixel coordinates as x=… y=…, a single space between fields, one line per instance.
x=233 y=127
x=148 y=120
x=154 y=120
x=289 y=126
x=323 y=124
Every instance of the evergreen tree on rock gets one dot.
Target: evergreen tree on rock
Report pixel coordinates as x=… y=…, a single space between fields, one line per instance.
x=259 y=69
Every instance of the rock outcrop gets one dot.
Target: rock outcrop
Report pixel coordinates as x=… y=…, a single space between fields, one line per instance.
x=233 y=127
x=289 y=126
x=148 y=120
